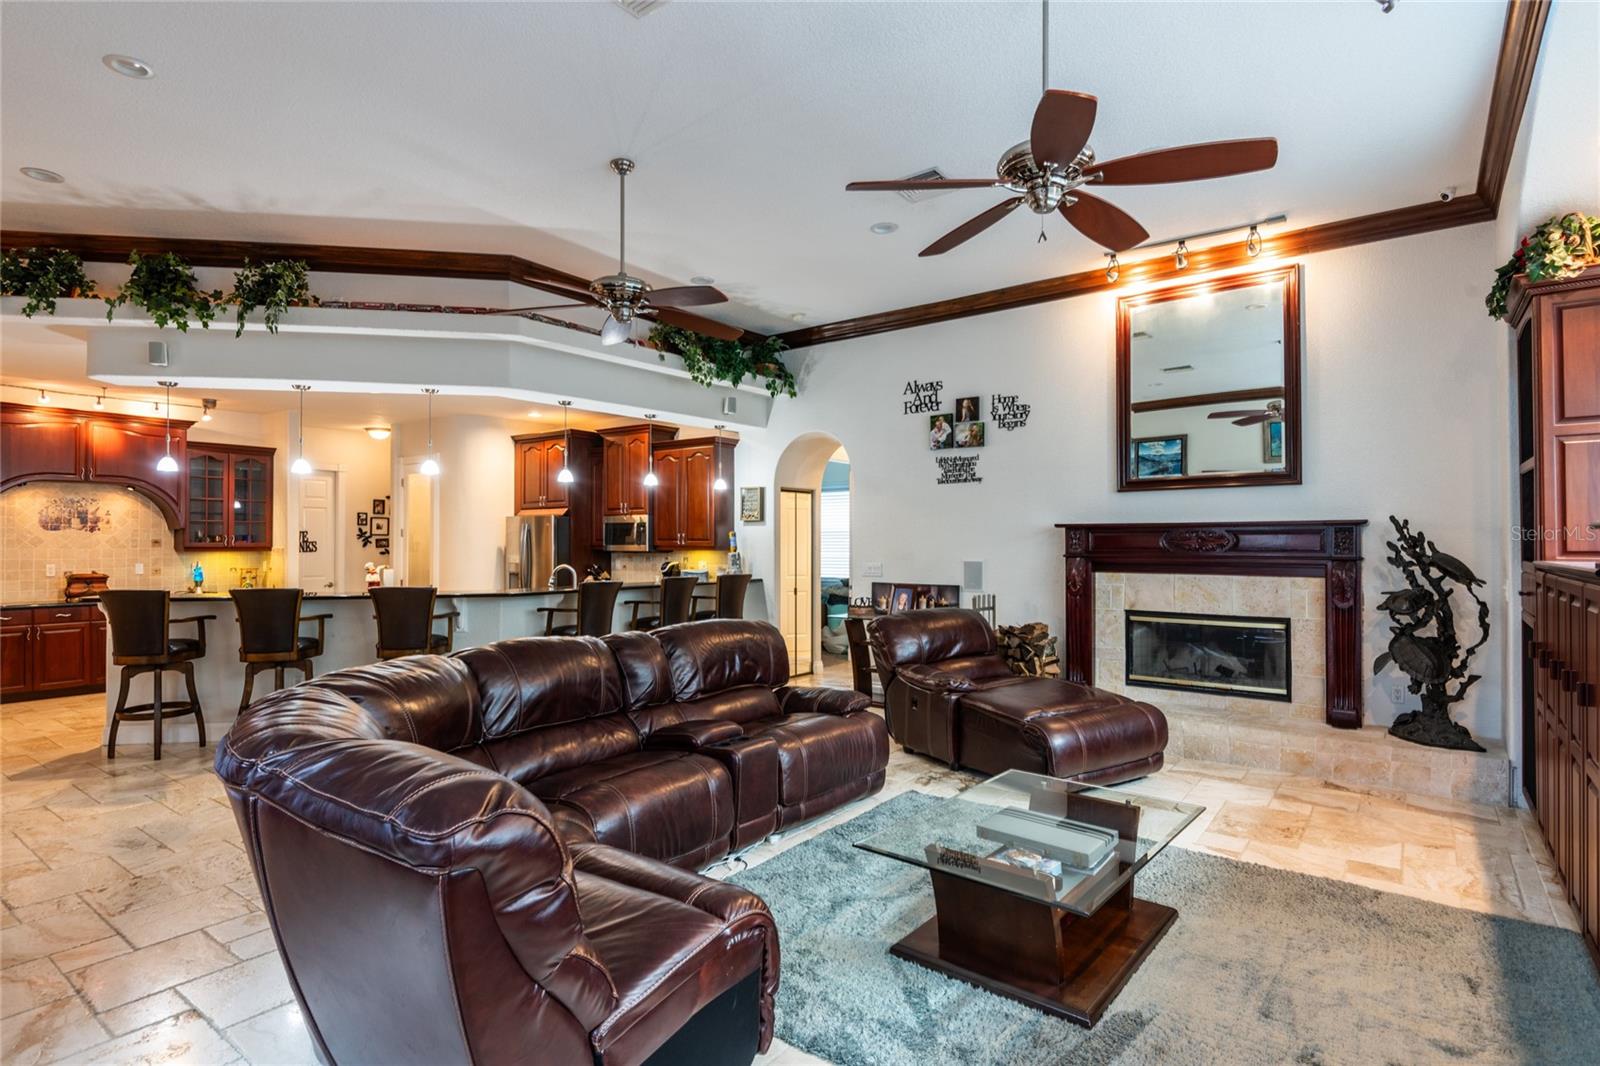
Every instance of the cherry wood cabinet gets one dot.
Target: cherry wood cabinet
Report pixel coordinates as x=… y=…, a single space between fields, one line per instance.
x=689 y=511
x=625 y=461
x=53 y=444
x=540 y=459
x=229 y=497
x=50 y=650
x=1564 y=730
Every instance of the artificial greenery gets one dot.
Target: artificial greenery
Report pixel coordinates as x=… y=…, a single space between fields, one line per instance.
x=165 y=286
x=274 y=287
x=1560 y=248
x=43 y=276
x=709 y=360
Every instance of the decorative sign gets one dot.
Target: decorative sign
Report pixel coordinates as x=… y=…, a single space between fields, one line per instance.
x=753 y=504
x=921 y=397
x=957 y=469
x=1007 y=412
x=307 y=545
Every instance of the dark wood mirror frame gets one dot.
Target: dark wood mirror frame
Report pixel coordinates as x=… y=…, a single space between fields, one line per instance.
x=1289 y=278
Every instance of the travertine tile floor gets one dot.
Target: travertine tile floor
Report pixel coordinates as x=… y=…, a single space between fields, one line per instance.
x=131 y=930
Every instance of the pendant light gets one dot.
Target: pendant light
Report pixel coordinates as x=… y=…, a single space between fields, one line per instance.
x=719 y=485
x=650 y=479
x=300 y=465
x=1252 y=242
x=167 y=464
x=430 y=465
x=565 y=477
x=206 y=407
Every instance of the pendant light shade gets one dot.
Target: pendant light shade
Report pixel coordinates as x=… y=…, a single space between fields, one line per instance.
x=167 y=464
x=430 y=465
x=650 y=479
x=719 y=485
x=300 y=466
x=565 y=477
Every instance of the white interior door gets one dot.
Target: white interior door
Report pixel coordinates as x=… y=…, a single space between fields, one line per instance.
x=796 y=577
x=317 y=540
x=415 y=549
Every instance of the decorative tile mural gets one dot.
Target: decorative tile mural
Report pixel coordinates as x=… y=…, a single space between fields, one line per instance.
x=83 y=513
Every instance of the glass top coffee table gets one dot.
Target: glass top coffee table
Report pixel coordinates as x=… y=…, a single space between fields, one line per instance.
x=1033 y=887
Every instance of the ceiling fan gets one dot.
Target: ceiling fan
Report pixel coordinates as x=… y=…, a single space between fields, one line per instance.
x=1050 y=168
x=1273 y=412
x=626 y=297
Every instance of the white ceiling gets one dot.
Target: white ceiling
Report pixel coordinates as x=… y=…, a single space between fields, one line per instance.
x=486 y=127
x=1231 y=339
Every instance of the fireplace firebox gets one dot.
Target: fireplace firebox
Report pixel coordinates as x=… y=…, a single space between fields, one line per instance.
x=1229 y=655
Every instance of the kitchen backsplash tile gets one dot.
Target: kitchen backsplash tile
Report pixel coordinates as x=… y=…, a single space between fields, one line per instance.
x=80 y=527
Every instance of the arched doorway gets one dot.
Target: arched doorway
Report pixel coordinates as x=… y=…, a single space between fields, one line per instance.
x=812 y=550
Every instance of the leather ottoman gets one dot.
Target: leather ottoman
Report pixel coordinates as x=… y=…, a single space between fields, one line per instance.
x=1059 y=728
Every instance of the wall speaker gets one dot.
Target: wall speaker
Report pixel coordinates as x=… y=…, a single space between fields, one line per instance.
x=730 y=405
x=972 y=575
x=158 y=353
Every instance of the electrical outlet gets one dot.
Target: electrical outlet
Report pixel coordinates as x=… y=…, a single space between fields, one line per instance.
x=872 y=570
x=138 y=568
x=1397 y=692
x=49 y=569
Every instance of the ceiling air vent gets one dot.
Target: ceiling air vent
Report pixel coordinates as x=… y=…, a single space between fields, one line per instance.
x=640 y=8
x=916 y=196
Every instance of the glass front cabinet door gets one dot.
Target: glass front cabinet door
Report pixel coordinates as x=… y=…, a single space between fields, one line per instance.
x=230 y=498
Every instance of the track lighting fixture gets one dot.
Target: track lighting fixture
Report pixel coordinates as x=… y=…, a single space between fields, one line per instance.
x=430 y=465
x=1113 y=268
x=1252 y=243
x=300 y=466
x=1180 y=256
x=167 y=464
x=565 y=477
x=719 y=485
x=650 y=479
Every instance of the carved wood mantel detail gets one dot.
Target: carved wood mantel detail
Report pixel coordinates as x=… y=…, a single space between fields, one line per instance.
x=1329 y=550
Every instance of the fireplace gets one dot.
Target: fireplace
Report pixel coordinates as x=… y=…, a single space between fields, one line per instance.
x=1230 y=655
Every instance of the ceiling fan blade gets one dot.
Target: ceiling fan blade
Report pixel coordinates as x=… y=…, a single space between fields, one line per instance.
x=908 y=186
x=686 y=296
x=1191 y=162
x=710 y=327
x=1253 y=420
x=614 y=332
x=542 y=307
x=971 y=227
x=1106 y=225
x=1061 y=126
x=1235 y=414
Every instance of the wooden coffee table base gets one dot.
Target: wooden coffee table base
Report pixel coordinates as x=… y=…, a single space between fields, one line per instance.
x=1056 y=962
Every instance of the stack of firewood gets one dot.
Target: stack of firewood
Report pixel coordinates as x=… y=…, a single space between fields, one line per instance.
x=1029 y=649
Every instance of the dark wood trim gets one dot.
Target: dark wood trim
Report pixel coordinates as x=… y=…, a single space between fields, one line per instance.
x=1289 y=278
x=1508 y=95
x=1206 y=399
x=1330 y=550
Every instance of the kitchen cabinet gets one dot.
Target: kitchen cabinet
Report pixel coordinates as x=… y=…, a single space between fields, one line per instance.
x=689 y=511
x=53 y=444
x=49 y=650
x=539 y=461
x=625 y=461
x=1563 y=731
x=229 y=497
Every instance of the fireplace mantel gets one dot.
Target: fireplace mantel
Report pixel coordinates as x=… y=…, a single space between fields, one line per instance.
x=1330 y=550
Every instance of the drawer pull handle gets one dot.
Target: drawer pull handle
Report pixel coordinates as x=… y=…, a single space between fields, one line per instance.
x=63 y=614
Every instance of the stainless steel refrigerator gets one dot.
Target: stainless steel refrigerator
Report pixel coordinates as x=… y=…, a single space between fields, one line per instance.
x=535 y=545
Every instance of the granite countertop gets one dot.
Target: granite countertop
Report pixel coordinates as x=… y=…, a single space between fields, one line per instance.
x=214 y=597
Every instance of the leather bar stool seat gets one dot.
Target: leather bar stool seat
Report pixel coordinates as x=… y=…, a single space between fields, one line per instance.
x=674 y=606
x=140 y=621
x=270 y=637
x=729 y=598
x=597 y=603
x=405 y=618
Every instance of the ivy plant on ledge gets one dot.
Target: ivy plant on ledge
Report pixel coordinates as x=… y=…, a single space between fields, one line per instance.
x=274 y=287
x=43 y=276
x=165 y=286
x=1560 y=248
x=709 y=360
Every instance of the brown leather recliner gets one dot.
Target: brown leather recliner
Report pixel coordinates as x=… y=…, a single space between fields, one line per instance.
x=428 y=910
x=949 y=694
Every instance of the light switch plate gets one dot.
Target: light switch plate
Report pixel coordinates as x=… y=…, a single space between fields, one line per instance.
x=138 y=568
x=49 y=569
x=872 y=570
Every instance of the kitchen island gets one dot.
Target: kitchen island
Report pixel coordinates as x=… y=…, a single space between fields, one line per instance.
x=351 y=637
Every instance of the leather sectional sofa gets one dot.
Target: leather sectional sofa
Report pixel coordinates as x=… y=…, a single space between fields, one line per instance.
x=487 y=857
x=948 y=693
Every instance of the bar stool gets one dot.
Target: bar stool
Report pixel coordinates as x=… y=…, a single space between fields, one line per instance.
x=729 y=598
x=142 y=643
x=677 y=598
x=597 y=601
x=405 y=618
x=269 y=635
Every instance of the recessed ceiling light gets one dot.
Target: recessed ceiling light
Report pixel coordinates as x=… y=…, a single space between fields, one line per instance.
x=128 y=66
x=41 y=174
x=1255 y=307
x=883 y=229
x=797 y=317
x=701 y=279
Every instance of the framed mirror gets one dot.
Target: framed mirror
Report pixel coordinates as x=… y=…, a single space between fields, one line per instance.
x=1208 y=384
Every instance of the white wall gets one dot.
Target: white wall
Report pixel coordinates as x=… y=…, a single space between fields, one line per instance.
x=1405 y=397
x=477 y=469
x=365 y=474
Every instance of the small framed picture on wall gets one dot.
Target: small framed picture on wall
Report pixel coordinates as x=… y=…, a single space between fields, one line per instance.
x=380 y=525
x=1161 y=456
x=753 y=504
x=1272 y=442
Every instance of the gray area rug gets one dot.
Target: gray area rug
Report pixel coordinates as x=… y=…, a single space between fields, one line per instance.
x=1262 y=966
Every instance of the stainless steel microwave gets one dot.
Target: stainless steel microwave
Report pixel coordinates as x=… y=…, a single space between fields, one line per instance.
x=627 y=533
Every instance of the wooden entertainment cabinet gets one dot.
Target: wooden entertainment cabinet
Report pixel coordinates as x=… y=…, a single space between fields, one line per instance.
x=1557 y=326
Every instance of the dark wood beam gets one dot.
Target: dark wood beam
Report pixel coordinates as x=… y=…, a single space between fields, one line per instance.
x=1508 y=96
x=1206 y=399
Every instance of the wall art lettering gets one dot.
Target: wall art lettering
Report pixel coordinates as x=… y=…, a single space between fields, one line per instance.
x=921 y=397
x=1008 y=412
x=957 y=469
x=307 y=545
